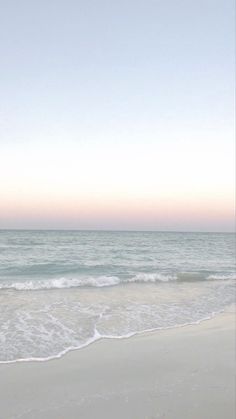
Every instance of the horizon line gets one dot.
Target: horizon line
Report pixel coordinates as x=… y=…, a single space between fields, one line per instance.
x=118 y=230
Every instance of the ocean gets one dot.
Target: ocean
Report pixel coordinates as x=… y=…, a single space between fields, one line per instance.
x=63 y=290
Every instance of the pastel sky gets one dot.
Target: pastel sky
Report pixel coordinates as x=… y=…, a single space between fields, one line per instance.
x=117 y=114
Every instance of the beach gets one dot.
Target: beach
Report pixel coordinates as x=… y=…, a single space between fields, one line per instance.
x=117 y=210
x=180 y=373
x=117 y=325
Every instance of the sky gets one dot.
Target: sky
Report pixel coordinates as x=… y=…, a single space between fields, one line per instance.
x=117 y=114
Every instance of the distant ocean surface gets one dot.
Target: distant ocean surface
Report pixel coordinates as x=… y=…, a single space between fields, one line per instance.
x=61 y=290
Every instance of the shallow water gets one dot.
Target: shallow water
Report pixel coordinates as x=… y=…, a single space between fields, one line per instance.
x=61 y=290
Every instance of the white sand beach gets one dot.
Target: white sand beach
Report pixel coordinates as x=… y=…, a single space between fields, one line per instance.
x=181 y=373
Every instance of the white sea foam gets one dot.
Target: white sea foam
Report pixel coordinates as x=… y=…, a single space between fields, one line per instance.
x=97 y=336
x=151 y=281
x=153 y=277
x=97 y=282
x=108 y=281
x=223 y=276
x=59 y=283
x=50 y=324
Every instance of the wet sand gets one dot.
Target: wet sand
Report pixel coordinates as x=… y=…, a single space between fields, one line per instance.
x=182 y=373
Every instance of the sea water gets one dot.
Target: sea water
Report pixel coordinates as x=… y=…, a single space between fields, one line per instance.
x=62 y=290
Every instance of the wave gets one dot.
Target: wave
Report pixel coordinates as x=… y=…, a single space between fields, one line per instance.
x=108 y=281
x=97 y=336
x=153 y=277
x=223 y=276
x=59 y=283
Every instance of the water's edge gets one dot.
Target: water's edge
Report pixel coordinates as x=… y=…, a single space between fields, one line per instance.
x=97 y=337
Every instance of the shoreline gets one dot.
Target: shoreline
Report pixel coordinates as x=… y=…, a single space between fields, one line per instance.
x=178 y=373
x=94 y=340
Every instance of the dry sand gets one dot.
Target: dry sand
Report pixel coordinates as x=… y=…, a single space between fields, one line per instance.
x=183 y=373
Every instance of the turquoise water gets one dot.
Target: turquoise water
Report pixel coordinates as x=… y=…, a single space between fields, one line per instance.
x=61 y=290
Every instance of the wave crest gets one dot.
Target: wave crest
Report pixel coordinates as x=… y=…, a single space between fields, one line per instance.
x=108 y=281
x=59 y=283
x=153 y=277
x=223 y=276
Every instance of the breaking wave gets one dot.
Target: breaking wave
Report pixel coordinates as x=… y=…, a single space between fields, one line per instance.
x=108 y=281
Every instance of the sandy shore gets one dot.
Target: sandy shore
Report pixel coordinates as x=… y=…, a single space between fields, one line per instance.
x=184 y=373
